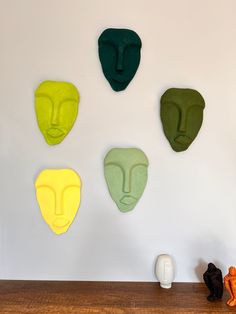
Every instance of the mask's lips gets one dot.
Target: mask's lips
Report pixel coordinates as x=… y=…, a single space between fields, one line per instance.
x=128 y=200
x=61 y=222
x=119 y=78
x=183 y=140
x=55 y=132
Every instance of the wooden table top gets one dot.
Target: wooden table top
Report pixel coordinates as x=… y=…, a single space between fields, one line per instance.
x=47 y=297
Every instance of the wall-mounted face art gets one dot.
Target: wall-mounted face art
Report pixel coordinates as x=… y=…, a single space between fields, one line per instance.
x=119 y=53
x=126 y=172
x=56 y=106
x=181 y=116
x=58 y=195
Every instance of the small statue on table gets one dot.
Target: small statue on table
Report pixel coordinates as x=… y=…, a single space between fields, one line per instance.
x=230 y=285
x=214 y=282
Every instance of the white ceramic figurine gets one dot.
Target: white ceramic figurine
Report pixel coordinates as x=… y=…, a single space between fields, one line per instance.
x=165 y=270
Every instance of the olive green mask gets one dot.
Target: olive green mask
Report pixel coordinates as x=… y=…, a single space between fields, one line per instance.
x=56 y=106
x=181 y=116
x=119 y=53
x=126 y=176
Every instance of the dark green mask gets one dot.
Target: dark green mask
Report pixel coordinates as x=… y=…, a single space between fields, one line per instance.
x=119 y=53
x=181 y=116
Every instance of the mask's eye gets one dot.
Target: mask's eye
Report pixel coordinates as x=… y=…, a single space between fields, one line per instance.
x=68 y=113
x=46 y=199
x=44 y=109
x=108 y=55
x=71 y=200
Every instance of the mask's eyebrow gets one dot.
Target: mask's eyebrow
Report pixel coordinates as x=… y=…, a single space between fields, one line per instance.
x=111 y=163
x=43 y=186
x=165 y=103
x=70 y=186
x=117 y=165
x=40 y=94
x=106 y=41
x=133 y=42
x=197 y=105
x=131 y=168
x=137 y=165
x=68 y=99
x=121 y=43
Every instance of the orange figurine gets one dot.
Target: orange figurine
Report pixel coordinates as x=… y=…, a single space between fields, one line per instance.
x=230 y=285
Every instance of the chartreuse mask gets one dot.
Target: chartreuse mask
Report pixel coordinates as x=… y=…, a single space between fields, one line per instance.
x=181 y=116
x=126 y=176
x=58 y=195
x=56 y=106
x=119 y=53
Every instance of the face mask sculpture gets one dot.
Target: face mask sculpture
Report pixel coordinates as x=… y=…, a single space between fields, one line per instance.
x=56 y=106
x=58 y=195
x=126 y=176
x=165 y=270
x=119 y=53
x=181 y=116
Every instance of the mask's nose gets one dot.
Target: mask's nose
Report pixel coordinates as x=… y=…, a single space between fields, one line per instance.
x=55 y=115
x=58 y=206
x=183 y=122
x=120 y=60
x=127 y=182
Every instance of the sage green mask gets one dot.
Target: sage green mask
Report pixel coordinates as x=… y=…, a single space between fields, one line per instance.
x=56 y=106
x=181 y=116
x=119 y=53
x=126 y=176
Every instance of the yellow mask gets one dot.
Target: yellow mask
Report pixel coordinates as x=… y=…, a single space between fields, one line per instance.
x=58 y=195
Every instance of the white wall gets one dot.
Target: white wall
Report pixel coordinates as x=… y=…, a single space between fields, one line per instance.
x=188 y=208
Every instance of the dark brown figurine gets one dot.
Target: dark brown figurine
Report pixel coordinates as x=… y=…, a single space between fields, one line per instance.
x=214 y=281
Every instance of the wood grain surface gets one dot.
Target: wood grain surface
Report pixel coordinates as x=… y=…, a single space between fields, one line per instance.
x=47 y=297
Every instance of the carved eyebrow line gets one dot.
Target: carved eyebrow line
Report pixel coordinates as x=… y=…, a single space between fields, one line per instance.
x=123 y=170
x=49 y=187
x=172 y=103
x=197 y=105
x=108 y=41
x=111 y=163
x=178 y=106
x=47 y=96
x=117 y=165
x=135 y=165
x=39 y=94
x=192 y=106
x=68 y=99
x=40 y=186
x=166 y=102
x=71 y=186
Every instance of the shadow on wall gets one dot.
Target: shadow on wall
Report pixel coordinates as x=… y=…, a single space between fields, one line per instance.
x=211 y=248
x=200 y=269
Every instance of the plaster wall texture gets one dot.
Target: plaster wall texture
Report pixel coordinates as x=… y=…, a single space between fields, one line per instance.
x=188 y=208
